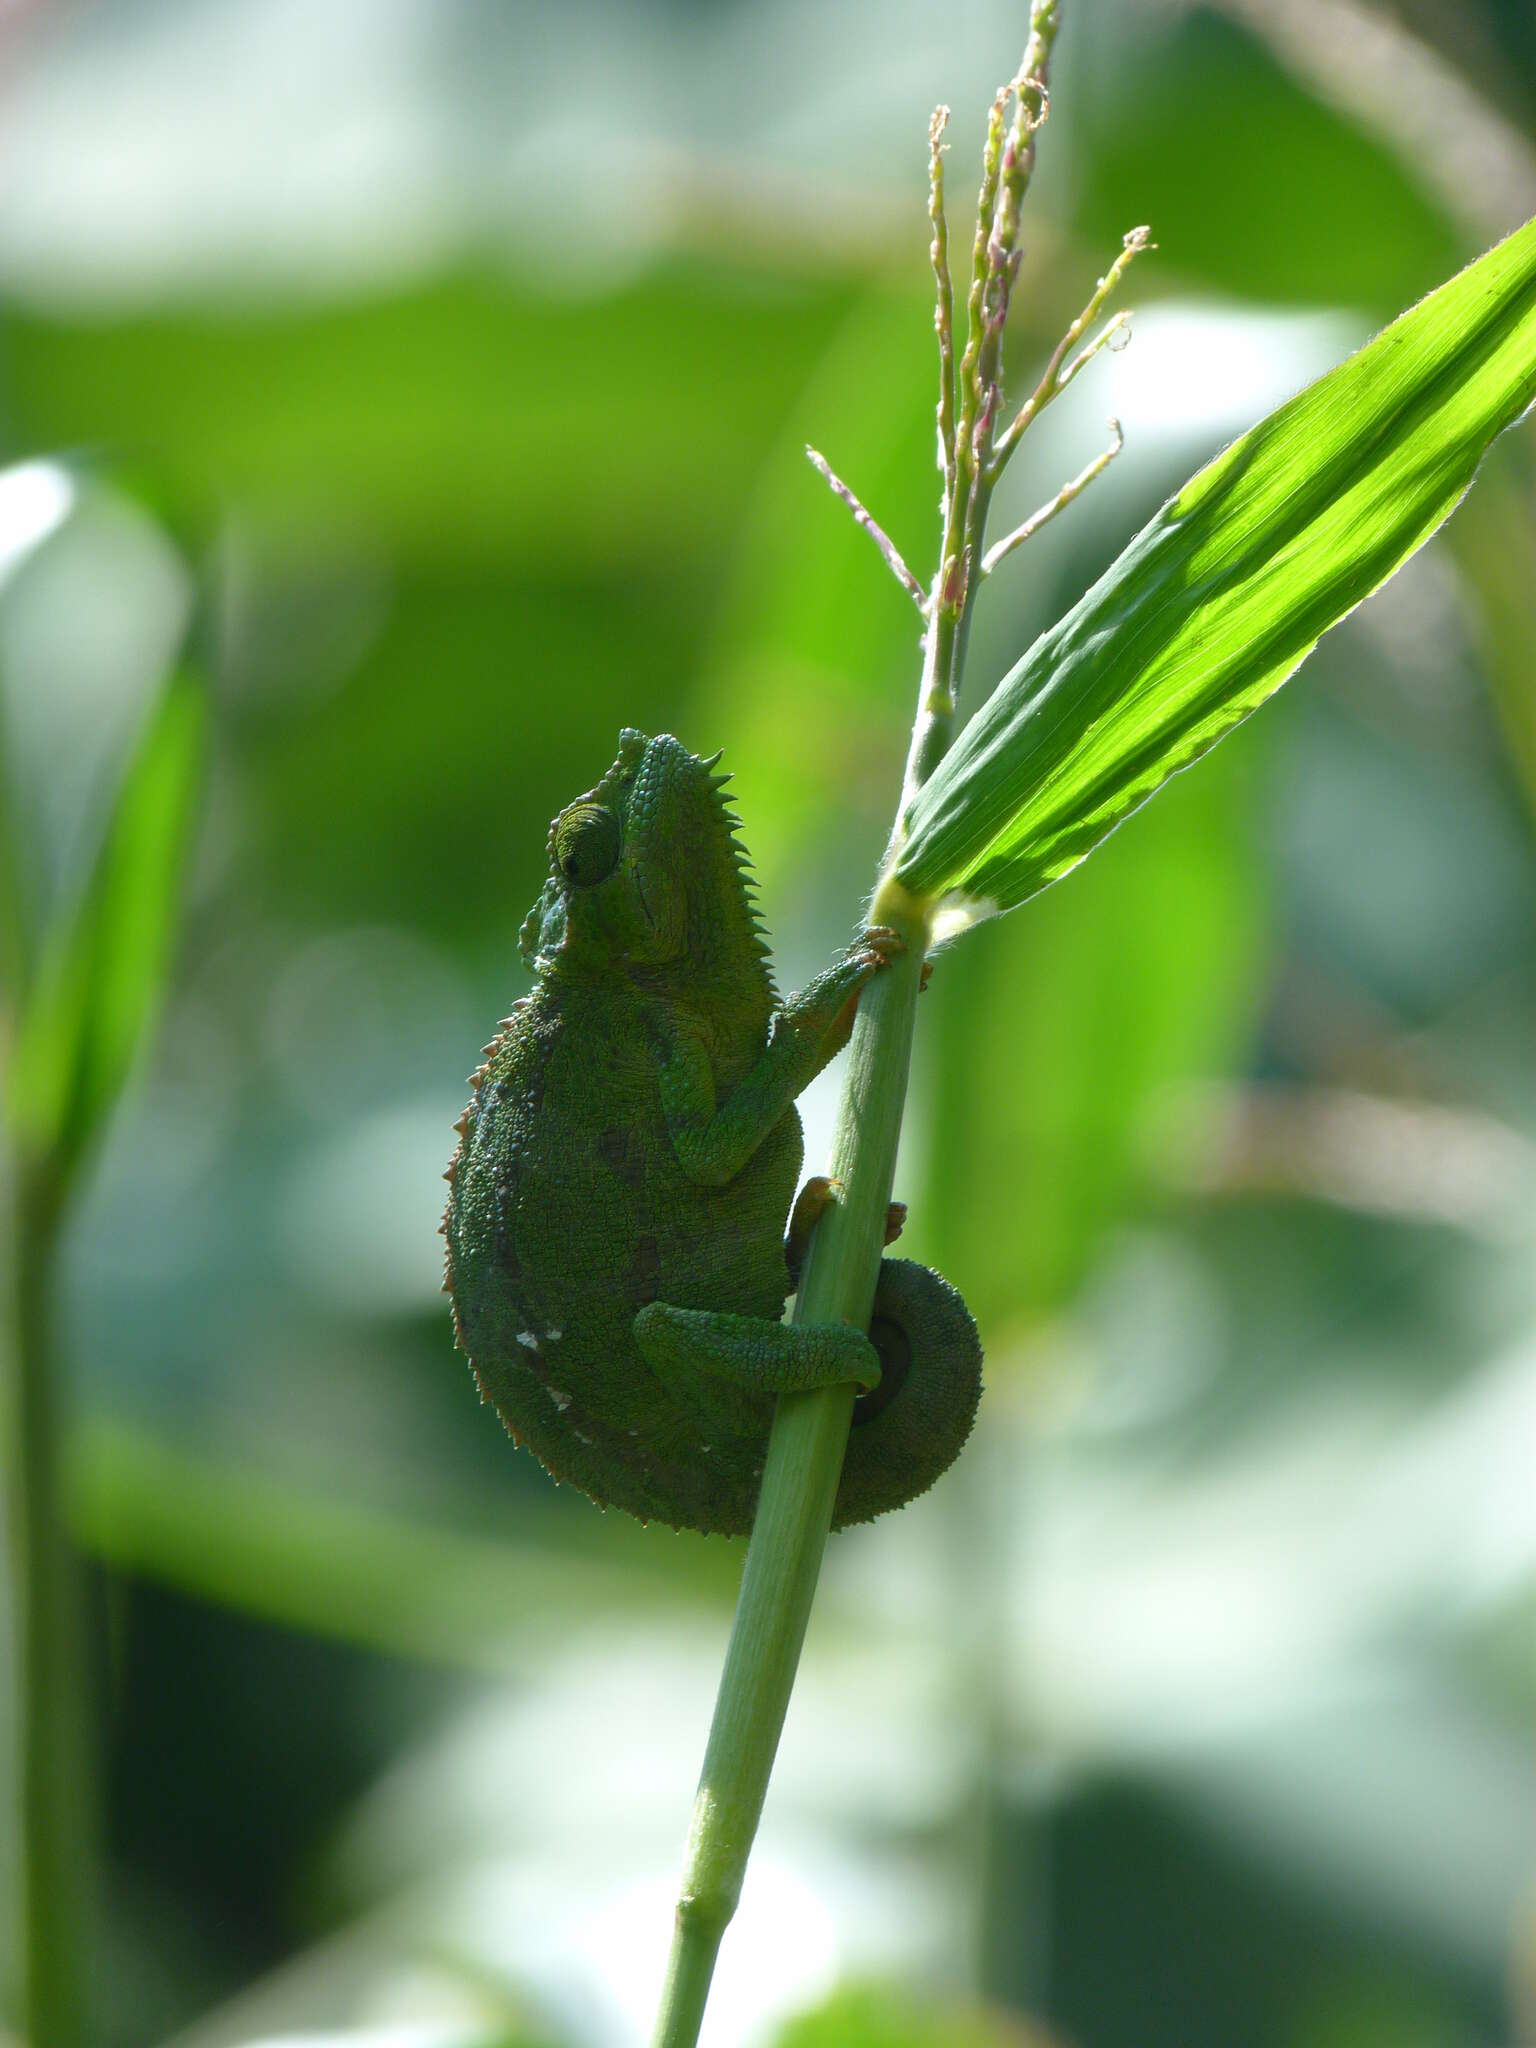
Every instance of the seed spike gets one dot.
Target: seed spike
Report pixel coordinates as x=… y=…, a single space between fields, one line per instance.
x=944 y=306
x=890 y=553
x=1054 y=379
x=1062 y=499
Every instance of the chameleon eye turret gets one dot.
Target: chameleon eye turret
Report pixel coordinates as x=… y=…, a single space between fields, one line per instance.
x=617 y=1202
x=587 y=842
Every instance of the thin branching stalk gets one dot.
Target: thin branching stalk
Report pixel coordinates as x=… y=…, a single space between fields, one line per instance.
x=1054 y=379
x=1027 y=530
x=890 y=554
x=944 y=301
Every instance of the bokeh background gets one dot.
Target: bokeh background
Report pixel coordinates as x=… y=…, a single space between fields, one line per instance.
x=444 y=369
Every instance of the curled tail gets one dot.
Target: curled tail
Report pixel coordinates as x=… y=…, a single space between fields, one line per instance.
x=912 y=1426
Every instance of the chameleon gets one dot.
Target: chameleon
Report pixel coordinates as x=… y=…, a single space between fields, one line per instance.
x=616 y=1256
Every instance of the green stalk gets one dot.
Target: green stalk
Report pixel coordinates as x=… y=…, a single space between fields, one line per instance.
x=805 y=1459
x=55 y=1763
x=810 y=1431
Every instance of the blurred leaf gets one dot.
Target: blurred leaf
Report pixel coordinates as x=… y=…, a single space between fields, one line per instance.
x=1221 y=595
x=35 y=499
x=96 y=600
x=419 y=2034
x=812 y=635
x=231 y=1535
x=468 y=422
x=1242 y=108
x=1053 y=1046
x=102 y=970
x=1494 y=543
x=874 y=2016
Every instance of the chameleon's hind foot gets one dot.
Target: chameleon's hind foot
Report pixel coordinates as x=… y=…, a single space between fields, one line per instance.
x=811 y=1204
x=714 y=1363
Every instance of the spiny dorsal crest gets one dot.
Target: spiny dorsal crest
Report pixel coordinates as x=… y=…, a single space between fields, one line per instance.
x=741 y=875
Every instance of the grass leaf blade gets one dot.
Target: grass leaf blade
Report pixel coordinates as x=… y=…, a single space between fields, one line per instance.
x=1225 y=592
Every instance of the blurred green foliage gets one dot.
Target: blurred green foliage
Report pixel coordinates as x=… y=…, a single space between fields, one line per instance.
x=870 y=2016
x=98 y=973
x=1193 y=1706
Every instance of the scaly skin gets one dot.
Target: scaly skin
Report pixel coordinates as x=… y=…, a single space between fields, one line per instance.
x=618 y=1196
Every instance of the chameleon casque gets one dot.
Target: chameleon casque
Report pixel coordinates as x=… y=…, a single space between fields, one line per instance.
x=618 y=1197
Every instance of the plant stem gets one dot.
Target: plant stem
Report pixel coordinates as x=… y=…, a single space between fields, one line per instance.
x=48 y=1621
x=810 y=1431
x=805 y=1458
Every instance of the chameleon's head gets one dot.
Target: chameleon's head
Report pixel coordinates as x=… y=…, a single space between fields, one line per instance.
x=643 y=869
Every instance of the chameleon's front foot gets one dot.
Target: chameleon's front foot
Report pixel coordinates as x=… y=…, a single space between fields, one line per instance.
x=879 y=944
x=826 y=1007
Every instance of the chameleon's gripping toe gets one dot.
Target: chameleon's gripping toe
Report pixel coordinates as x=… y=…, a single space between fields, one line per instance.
x=910 y=1429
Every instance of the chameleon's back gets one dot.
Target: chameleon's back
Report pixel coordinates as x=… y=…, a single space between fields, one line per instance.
x=569 y=1212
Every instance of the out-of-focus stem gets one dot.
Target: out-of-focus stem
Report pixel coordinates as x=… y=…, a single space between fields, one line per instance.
x=47 y=1599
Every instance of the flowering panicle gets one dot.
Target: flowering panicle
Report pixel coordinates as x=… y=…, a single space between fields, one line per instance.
x=973 y=443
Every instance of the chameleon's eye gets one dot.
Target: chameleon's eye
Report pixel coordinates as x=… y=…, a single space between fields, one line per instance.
x=587 y=845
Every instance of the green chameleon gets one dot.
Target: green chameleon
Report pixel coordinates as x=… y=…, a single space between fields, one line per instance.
x=624 y=1170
